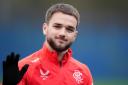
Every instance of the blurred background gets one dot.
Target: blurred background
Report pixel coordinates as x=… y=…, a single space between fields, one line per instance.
x=102 y=41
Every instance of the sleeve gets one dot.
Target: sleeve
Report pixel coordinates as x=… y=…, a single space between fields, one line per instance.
x=24 y=79
x=22 y=82
x=88 y=74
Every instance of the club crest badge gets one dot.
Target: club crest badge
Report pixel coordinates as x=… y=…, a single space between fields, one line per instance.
x=77 y=75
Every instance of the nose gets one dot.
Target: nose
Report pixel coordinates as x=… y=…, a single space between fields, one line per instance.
x=62 y=32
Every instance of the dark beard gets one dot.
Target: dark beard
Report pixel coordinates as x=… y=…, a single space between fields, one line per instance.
x=56 y=48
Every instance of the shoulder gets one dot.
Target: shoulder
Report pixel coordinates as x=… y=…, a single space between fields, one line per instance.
x=30 y=59
x=79 y=65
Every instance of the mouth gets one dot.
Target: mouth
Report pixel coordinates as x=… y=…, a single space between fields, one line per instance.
x=61 y=41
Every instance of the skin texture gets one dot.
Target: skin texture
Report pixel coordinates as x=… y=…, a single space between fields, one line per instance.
x=60 y=32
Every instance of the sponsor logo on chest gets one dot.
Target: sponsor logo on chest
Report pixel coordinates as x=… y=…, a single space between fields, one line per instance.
x=44 y=74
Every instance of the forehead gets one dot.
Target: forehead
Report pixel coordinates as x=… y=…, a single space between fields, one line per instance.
x=64 y=19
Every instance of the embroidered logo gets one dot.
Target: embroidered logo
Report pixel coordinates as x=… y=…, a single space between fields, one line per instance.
x=78 y=76
x=35 y=60
x=44 y=74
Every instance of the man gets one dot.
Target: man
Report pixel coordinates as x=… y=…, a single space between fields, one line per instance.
x=53 y=64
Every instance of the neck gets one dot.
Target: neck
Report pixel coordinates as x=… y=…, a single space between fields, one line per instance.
x=61 y=55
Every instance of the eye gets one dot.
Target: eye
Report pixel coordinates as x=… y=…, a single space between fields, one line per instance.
x=70 y=29
x=57 y=26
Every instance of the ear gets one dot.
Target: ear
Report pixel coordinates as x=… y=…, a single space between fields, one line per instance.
x=44 y=28
x=76 y=33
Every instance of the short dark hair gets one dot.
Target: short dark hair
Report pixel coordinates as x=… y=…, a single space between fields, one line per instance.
x=64 y=8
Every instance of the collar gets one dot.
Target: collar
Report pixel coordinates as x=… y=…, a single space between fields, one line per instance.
x=52 y=56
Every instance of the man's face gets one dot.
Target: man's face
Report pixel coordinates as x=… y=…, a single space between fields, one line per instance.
x=61 y=31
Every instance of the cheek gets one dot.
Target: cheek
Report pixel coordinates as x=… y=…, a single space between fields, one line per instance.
x=72 y=38
x=50 y=34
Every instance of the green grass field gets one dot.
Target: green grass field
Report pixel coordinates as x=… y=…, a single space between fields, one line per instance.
x=111 y=82
x=107 y=82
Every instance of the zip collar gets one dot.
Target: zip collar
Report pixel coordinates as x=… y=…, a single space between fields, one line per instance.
x=52 y=56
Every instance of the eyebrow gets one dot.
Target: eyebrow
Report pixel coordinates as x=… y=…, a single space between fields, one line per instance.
x=57 y=24
x=66 y=26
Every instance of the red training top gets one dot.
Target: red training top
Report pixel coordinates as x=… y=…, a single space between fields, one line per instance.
x=44 y=69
